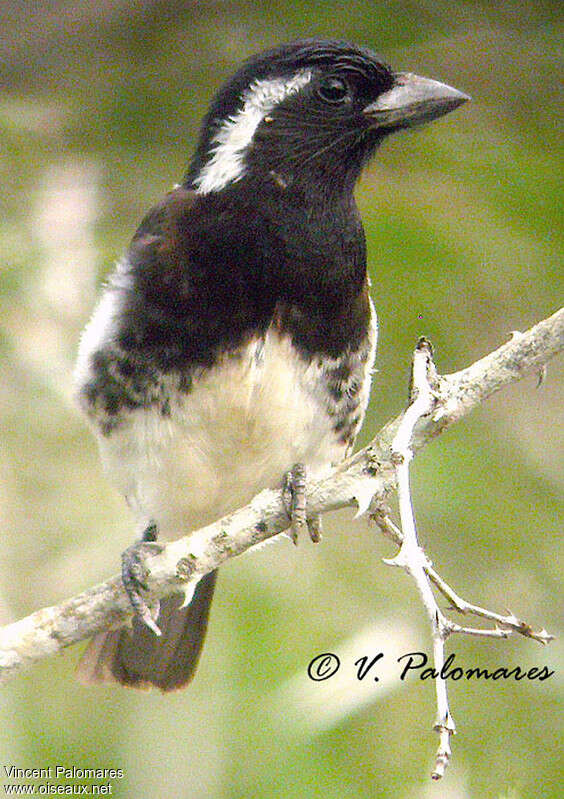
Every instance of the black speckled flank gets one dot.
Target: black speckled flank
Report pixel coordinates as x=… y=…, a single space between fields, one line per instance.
x=345 y=381
x=117 y=386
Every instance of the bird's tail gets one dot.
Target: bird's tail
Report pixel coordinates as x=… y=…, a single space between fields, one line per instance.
x=138 y=658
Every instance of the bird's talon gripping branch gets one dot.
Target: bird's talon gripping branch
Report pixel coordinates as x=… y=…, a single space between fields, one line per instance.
x=541 y=375
x=134 y=577
x=315 y=528
x=294 y=497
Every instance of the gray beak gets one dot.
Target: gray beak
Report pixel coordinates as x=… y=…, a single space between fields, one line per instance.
x=413 y=101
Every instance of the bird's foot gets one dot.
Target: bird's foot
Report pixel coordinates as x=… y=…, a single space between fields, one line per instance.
x=134 y=576
x=294 y=497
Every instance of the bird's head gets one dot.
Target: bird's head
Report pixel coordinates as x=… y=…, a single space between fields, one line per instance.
x=309 y=114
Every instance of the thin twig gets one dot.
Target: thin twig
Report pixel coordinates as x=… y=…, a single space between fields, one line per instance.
x=410 y=556
x=506 y=624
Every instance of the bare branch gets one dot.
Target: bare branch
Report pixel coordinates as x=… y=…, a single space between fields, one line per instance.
x=505 y=624
x=410 y=556
x=365 y=480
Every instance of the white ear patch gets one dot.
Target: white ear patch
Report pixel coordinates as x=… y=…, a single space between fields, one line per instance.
x=236 y=133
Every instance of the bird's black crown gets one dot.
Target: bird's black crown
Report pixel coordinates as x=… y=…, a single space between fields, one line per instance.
x=315 y=127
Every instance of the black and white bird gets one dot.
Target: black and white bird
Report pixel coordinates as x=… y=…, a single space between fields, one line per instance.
x=234 y=343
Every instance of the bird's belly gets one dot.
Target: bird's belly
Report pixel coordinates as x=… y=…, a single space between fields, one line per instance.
x=237 y=430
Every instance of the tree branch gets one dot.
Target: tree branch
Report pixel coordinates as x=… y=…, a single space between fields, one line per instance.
x=365 y=480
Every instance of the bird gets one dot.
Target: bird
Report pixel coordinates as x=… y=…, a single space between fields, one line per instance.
x=232 y=347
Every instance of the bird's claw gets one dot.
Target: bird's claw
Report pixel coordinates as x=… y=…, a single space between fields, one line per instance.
x=294 y=497
x=315 y=528
x=134 y=577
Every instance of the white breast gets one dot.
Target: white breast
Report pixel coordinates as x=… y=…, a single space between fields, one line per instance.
x=242 y=425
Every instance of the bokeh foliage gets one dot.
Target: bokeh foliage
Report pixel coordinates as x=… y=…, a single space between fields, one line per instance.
x=99 y=109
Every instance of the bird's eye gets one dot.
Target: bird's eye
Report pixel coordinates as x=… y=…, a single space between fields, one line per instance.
x=333 y=90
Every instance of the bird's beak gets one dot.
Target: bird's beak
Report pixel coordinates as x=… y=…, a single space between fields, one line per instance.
x=413 y=101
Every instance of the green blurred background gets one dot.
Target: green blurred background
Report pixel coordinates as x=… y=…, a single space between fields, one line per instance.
x=99 y=108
